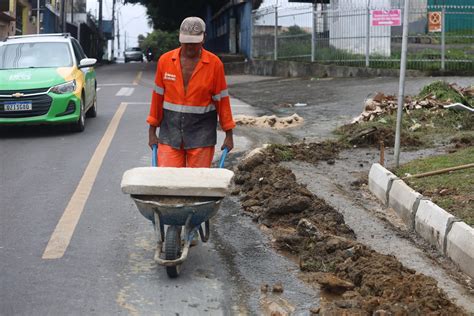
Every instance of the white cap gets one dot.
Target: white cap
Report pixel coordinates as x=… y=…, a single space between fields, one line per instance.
x=192 y=30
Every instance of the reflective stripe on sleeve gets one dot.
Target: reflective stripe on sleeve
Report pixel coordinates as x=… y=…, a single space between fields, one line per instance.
x=159 y=90
x=219 y=96
x=188 y=108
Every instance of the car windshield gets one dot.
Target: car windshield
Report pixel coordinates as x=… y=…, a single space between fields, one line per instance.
x=35 y=55
x=134 y=49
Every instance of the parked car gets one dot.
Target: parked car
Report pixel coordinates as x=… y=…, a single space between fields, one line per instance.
x=133 y=54
x=46 y=79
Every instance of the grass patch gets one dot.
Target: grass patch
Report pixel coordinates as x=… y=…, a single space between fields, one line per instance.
x=452 y=191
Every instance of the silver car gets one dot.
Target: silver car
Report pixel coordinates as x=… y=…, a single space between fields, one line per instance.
x=133 y=53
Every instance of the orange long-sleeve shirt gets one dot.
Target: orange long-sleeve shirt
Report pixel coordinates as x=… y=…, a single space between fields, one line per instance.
x=190 y=118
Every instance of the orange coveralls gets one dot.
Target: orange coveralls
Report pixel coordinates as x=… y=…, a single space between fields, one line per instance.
x=188 y=121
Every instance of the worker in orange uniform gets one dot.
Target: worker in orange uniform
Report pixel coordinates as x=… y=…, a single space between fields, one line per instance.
x=189 y=97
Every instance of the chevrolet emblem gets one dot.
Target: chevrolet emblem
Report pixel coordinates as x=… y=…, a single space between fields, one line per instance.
x=18 y=95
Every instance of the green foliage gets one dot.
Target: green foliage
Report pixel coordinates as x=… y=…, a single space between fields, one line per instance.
x=442 y=91
x=160 y=42
x=167 y=15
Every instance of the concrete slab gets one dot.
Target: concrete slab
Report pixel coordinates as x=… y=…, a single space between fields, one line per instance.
x=402 y=199
x=431 y=222
x=204 y=182
x=460 y=247
x=379 y=181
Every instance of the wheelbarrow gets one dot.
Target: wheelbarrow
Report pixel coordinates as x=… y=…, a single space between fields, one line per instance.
x=181 y=199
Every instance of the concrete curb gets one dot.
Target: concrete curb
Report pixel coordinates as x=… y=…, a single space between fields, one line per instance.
x=460 y=246
x=380 y=182
x=449 y=235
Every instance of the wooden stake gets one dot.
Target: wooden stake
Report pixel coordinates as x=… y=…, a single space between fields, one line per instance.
x=432 y=173
x=382 y=153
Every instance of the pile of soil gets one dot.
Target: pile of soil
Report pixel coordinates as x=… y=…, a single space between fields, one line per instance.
x=373 y=136
x=360 y=280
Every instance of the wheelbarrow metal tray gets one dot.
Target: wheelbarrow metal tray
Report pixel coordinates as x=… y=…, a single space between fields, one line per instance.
x=202 y=182
x=175 y=210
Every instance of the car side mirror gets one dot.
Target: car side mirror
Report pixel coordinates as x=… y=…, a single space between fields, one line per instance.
x=87 y=62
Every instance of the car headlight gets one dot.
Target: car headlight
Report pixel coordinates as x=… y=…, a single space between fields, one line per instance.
x=63 y=88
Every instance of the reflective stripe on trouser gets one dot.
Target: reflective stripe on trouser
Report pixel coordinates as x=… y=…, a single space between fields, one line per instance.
x=180 y=158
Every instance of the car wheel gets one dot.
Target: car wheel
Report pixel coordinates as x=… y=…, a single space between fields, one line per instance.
x=126 y=60
x=80 y=125
x=92 y=112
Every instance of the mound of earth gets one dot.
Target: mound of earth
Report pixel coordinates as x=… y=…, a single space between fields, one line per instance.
x=360 y=280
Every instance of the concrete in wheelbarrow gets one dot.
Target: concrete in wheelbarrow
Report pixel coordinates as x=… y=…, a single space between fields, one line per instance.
x=203 y=182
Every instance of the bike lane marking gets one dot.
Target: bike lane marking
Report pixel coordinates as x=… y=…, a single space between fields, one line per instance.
x=64 y=230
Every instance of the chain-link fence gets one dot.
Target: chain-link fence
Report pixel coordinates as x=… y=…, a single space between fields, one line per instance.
x=357 y=33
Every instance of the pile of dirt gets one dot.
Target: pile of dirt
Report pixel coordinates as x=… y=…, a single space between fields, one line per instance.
x=360 y=280
x=271 y=121
x=433 y=97
x=375 y=135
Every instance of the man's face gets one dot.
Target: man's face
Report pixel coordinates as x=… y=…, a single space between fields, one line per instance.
x=191 y=50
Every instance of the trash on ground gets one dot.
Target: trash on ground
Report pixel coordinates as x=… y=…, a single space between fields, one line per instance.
x=429 y=98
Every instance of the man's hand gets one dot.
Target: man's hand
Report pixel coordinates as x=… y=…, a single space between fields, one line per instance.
x=228 y=141
x=152 y=138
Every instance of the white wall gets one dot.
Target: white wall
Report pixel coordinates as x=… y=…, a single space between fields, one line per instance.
x=348 y=27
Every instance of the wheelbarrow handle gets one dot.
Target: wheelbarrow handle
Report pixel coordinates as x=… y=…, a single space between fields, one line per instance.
x=154 y=155
x=223 y=156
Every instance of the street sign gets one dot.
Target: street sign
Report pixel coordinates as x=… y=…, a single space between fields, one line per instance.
x=386 y=17
x=434 y=21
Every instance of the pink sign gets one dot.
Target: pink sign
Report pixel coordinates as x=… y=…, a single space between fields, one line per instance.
x=386 y=18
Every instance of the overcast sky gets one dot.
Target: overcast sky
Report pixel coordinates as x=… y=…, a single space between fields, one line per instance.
x=133 y=19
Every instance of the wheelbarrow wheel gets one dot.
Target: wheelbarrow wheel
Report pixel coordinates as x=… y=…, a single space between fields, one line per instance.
x=173 y=249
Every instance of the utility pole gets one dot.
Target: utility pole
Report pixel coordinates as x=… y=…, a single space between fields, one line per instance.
x=100 y=16
x=38 y=17
x=63 y=15
x=72 y=11
x=401 y=88
x=113 y=30
x=118 y=35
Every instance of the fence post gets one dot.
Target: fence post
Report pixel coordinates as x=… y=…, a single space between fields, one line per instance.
x=313 y=34
x=275 y=52
x=367 y=37
x=443 y=39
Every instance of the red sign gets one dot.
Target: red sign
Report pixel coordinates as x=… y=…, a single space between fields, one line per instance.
x=386 y=17
x=434 y=22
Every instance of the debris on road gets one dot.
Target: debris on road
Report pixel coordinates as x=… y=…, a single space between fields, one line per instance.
x=271 y=121
x=434 y=97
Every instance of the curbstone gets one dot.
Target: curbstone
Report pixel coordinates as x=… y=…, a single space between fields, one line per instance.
x=403 y=200
x=431 y=223
x=460 y=246
x=380 y=181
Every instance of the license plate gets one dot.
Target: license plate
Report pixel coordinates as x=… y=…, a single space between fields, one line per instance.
x=18 y=106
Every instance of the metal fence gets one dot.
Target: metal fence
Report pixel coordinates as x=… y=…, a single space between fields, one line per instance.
x=345 y=33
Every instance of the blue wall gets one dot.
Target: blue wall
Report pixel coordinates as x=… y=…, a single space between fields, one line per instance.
x=218 y=29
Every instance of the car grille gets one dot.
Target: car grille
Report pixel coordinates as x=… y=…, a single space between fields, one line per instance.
x=40 y=106
x=25 y=91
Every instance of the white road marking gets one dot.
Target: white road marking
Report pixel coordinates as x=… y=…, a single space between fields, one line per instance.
x=97 y=89
x=125 y=92
x=114 y=84
x=64 y=230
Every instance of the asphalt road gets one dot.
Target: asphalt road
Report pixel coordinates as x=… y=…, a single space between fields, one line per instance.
x=107 y=267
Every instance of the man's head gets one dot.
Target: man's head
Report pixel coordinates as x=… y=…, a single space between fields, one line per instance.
x=191 y=36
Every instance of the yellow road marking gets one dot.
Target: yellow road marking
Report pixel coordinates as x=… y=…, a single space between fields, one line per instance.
x=64 y=230
x=137 y=78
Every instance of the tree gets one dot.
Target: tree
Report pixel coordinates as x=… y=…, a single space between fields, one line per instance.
x=167 y=15
x=160 y=42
